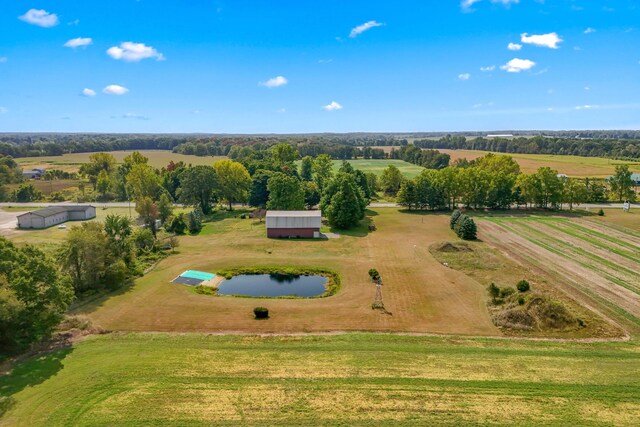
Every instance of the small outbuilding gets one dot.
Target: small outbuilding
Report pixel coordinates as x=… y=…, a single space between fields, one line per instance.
x=293 y=224
x=55 y=215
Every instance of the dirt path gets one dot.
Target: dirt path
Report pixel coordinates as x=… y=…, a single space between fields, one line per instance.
x=613 y=232
x=582 y=278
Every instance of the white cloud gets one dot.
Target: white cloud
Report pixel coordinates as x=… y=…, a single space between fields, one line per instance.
x=134 y=116
x=281 y=110
x=79 y=42
x=488 y=68
x=40 y=17
x=134 y=52
x=115 y=90
x=3 y=110
x=514 y=46
x=3 y=59
x=549 y=40
x=464 y=76
x=88 y=92
x=196 y=112
x=356 y=31
x=332 y=107
x=516 y=65
x=587 y=88
x=274 y=82
x=466 y=4
x=325 y=61
x=589 y=30
x=586 y=107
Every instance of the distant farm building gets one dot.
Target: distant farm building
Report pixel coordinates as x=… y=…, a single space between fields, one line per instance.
x=293 y=224
x=635 y=177
x=54 y=215
x=33 y=174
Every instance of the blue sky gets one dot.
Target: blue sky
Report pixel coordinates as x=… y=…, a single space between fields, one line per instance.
x=287 y=66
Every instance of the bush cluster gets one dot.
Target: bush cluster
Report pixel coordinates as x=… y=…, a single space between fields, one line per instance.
x=261 y=312
x=463 y=225
x=373 y=273
x=523 y=286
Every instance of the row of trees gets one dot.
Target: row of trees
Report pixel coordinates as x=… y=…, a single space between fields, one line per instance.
x=495 y=182
x=591 y=147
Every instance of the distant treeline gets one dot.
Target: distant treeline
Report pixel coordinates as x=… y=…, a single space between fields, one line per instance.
x=338 y=147
x=614 y=148
x=614 y=144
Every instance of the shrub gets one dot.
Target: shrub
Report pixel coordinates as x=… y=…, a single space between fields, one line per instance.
x=205 y=290
x=176 y=224
x=521 y=300
x=373 y=273
x=505 y=292
x=195 y=222
x=494 y=291
x=600 y=212
x=454 y=218
x=261 y=312
x=523 y=286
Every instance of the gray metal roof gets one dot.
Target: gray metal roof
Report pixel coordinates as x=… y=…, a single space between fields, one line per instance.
x=54 y=210
x=294 y=214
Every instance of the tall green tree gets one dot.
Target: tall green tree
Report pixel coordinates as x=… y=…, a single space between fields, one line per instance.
x=98 y=162
x=234 y=181
x=259 y=192
x=390 y=180
x=306 y=168
x=622 y=184
x=33 y=296
x=322 y=171
x=198 y=186
x=84 y=256
x=345 y=210
x=165 y=207
x=285 y=193
x=103 y=183
x=144 y=182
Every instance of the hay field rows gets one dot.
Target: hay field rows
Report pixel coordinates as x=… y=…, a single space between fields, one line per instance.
x=601 y=262
x=350 y=379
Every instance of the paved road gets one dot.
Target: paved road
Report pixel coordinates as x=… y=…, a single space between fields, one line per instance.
x=373 y=205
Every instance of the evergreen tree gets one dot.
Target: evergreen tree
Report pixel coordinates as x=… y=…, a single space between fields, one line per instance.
x=345 y=210
x=306 y=168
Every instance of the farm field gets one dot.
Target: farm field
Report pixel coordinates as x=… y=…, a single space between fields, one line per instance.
x=599 y=264
x=347 y=379
x=376 y=166
x=71 y=162
x=48 y=187
x=617 y=218
x=573 y=166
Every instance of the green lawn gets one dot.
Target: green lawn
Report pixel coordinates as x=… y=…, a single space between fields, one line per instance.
x=409 y=170
x=197 y=379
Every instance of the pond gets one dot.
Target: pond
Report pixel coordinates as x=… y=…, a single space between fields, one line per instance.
x=273 y=285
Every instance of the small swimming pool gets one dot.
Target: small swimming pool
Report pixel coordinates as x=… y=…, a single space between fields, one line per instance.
x=273 y=285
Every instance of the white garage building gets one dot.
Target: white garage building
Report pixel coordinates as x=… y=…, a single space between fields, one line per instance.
x=54 y=215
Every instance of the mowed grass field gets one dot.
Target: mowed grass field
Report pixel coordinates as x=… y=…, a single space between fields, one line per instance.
x=598 y=264
x=349 y=379
x=573 y=166
x=376 y=166
x=421 y=294
x=71 y=162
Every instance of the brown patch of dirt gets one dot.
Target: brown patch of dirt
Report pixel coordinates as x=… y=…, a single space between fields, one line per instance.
x=451 y=247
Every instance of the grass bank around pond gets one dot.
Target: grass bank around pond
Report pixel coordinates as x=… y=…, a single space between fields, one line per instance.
x=199 y=379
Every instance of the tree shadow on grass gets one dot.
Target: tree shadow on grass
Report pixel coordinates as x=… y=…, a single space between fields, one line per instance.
x=29 y=373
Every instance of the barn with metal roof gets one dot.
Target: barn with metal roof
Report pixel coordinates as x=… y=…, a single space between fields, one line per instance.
x=293 y=224
x=53 y=215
